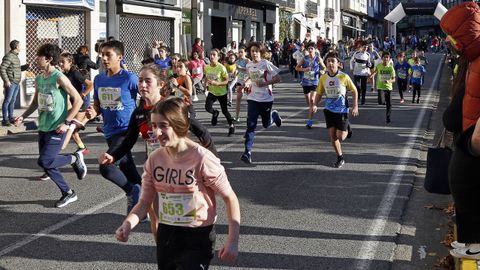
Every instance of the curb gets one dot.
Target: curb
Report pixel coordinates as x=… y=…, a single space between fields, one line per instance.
x=28 y=125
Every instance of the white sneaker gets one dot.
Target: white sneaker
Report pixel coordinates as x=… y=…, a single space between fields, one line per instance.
x=195 y=98
x=456 y=244
x=465 y=253
x=44 y=177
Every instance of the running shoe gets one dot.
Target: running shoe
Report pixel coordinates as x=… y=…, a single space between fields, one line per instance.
x=6 y=123
x=215 y=117
x=388 y=120
x=229 y=104
x=44 y=177
x=195 y=98
x=236 y=119
x=66 y=199
x=309 y=123
x=339 y=163
x=79 y=165
x=465 y=253
x=132 y=197
x=456 y=244
x=418 y=100
x=247 y=157
x=402 y=100
x=231 y=131
x=84 y=150
x=276 y=118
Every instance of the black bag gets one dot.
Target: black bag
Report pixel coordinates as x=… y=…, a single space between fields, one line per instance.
x=438 y=159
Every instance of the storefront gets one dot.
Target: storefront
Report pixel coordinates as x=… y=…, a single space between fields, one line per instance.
x=226 y=21
x=54 y=21
x=352 y=25
x=139 y=23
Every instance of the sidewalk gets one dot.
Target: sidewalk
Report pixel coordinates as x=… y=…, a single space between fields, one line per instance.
x=29 y=123
x=425 y=222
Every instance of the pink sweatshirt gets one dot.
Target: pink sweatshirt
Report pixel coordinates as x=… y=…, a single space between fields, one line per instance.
x=198 y=172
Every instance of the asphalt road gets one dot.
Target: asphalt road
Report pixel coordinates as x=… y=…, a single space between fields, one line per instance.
x=298 y=212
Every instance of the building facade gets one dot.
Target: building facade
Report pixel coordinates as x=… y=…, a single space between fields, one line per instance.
x=68 y=24
x=353 y=18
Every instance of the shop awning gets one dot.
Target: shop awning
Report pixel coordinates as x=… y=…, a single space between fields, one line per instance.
x=354 y=28
x=90 y=4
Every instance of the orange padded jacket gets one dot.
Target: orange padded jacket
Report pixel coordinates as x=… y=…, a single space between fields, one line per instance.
x=462 y=24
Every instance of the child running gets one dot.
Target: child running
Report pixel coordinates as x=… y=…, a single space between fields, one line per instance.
x=84 y=86
x=115 y=93
x=186 y=178
x=262 y=74
x=418 y=72
x=231 y=67
x=52 y=89
x=310 y=65
x=241 y=76
x=334 y=83
x=385 y=80
x=402 y=67
x=216 y=80
x=196 y=66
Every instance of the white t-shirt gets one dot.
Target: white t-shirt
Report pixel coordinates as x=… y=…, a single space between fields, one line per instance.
x=261 y=71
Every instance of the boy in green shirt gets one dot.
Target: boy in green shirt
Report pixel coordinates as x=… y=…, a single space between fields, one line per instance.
x=385 y=80
x=52 y=89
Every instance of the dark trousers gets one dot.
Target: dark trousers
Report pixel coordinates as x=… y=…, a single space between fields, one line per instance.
x=416 y=91
x=402 y=86
x=185 y=248
x=49 y=147
x=256 y=109
x=201 y=132
x=387 y=94
x=211 y=98
x=362 y=87
x=124 y=172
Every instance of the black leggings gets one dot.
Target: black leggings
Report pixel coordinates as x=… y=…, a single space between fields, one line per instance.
x=416 y=91
x=363 y=86
x=211 y=98
x=184 y=247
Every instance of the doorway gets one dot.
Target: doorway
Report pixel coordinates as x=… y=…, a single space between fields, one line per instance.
x=219 y=32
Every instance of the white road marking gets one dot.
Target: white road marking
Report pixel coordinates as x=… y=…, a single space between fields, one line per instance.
x=54 y=227
x=368 y=250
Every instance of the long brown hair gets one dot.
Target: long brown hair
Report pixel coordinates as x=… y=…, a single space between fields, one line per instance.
x=175 y=112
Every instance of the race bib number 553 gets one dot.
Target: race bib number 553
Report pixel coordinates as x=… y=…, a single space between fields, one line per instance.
x=176 y=208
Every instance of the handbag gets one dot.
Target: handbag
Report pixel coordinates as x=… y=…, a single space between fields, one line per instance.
x=438 y=159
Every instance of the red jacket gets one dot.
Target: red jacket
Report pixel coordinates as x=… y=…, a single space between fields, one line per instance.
x=465 y=36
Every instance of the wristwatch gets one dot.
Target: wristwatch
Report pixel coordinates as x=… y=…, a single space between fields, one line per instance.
x=67 y=122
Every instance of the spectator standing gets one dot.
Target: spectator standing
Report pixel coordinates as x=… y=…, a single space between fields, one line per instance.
x=11 y=73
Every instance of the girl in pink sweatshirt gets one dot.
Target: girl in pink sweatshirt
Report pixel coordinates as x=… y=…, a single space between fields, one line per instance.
x=186 y=177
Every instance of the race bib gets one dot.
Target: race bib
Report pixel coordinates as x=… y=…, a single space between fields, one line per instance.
x=45 y=102
x=417 y=74
x=211 y=76
x=152 y=143
x=402 y=74
x=176 y=208
x=332 y=92
x=358 y=68
x=196 y=71
x=309 y=75
x=256 y=76
x=384 y=77
x=242 y=76
x=110 y=98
